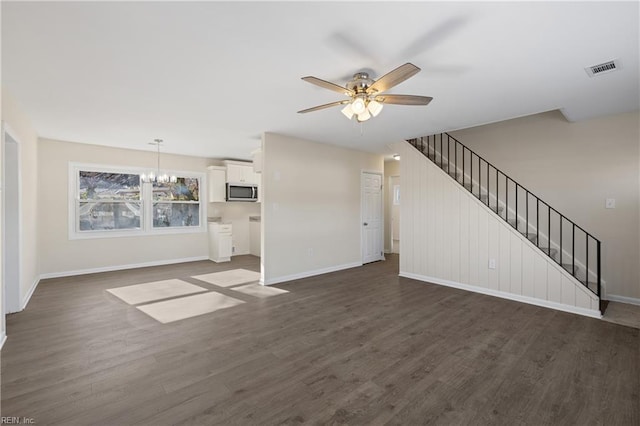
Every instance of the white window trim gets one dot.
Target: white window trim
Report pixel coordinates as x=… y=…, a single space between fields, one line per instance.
x=146 y=218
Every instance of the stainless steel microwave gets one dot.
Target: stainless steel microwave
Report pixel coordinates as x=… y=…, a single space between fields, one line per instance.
x=242 y=192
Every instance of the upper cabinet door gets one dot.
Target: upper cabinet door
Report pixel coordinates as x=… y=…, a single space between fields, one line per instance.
x=235 y=173
x=217 y=187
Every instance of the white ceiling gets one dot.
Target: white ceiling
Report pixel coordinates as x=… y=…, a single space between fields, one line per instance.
x=209 y=78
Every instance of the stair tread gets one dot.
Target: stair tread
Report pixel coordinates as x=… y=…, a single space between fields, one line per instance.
x=591 y=285
x=569 y=267
x=546 y=250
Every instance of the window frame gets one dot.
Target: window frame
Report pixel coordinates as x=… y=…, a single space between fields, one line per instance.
x=146 y=204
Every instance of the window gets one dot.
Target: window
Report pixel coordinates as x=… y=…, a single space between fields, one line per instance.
x=113 y=201
x=108 y=201
x=176 y=204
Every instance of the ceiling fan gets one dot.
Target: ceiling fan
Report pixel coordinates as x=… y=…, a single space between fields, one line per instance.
x=365 y=94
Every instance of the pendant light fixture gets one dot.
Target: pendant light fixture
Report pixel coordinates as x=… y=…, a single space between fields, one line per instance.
x=157 y=176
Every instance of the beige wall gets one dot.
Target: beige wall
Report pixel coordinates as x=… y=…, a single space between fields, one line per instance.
x=575 y=167
x=391 y=168
x=311 y=206
x=59 y=255
x=20 y=126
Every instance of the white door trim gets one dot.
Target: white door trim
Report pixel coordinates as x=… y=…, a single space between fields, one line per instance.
x=381 y=206
x=11 y=299
x=389 y=200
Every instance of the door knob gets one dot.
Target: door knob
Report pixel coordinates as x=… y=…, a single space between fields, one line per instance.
x=365 y=224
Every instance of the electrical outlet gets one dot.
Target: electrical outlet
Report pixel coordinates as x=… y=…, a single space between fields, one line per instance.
x=233 y=249
x=610 y=203
x=310 y=252
x=492 y=264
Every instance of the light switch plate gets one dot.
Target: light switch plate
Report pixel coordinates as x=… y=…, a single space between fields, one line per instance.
x=610 y=203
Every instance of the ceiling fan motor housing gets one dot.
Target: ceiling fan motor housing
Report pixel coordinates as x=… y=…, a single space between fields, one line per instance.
x=360 y=82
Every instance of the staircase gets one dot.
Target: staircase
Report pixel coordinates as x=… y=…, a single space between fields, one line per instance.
x=568 y=244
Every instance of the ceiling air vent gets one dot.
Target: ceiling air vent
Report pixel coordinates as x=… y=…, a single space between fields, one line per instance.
x=603 y=68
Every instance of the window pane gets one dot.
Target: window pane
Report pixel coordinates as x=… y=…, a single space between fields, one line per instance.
x=109 y=186
x=175 y=214
x=101 y=216
x=184 y=189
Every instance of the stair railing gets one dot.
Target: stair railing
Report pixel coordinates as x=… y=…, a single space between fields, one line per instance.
x=561 y=239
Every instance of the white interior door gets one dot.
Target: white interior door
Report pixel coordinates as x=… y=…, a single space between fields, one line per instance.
x=395 y=214
x=372 y=225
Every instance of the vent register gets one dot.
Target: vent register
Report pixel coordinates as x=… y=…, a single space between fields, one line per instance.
x=603 y=68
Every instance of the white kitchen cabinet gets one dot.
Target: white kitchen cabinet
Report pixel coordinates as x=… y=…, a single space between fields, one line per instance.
x=238 y=172
x=217 y=178
x=220 y=241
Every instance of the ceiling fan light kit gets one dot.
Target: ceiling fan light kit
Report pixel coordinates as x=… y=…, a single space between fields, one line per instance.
x=348 y=111
x=363 y=92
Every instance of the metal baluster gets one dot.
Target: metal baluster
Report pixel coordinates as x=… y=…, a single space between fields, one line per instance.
x=526 y=204
x=549 y=229
x=464 y=175
x=471 y=173
x=561 y=220
x=488 y=184
x=448 y=154
x=586 y=266
x=497 y=193
x=516 y=205
x=537 y=221
x=573 y=247
x=456 y=155
x=506 y=197
x=598 y=259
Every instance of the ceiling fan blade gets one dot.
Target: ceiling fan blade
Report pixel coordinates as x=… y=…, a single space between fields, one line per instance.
x=404 y=99
x=434 y=36
x=319 y=107
x=393 y=78
x=328 y=85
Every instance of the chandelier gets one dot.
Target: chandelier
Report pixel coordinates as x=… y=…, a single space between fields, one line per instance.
x=157 y=176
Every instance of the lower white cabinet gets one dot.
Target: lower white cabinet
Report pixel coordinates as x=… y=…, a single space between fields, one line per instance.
x=220 y=242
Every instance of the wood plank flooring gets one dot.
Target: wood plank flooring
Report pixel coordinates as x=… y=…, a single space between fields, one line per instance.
x=360 y=346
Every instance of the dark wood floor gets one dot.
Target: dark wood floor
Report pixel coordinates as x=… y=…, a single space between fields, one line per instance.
x=360 y=346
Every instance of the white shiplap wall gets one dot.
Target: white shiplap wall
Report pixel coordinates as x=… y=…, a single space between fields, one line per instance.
x=447 y=237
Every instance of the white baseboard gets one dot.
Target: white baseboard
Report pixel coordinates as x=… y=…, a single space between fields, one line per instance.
x=121 y=267
x=504 y=295
x=307 y=274
x=3 y=338
x=623 y=299
x=26 y=299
